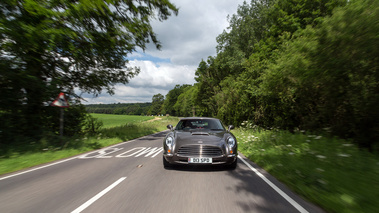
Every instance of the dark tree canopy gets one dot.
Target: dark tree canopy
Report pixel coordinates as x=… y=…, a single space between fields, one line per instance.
x=156 y=104
x=53 y=46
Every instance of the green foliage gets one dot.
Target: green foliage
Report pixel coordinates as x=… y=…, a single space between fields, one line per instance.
x=49 y=47
x=297 y=63
x=172 y=98
x=328 y=77
x=119 y=108
x=12 y=136
x=185 y=104
x=157 y=104
x=92 y=125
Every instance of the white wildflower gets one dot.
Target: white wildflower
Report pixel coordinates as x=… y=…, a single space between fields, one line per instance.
x=343 y=155
x=308 y=141
x=347 y=144
x=320 y=156
x=320 y=170
x=322 y=181
x=318 y=137
x=291 y=153
x=289 y=145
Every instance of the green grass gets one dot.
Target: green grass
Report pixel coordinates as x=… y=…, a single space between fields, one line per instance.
x=333 y=173
x=119 y=120
x=108 y=135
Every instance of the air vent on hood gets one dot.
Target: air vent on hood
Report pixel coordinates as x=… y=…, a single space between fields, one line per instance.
x=200 y=133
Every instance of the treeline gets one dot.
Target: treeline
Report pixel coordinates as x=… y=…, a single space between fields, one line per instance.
x=120 y=108
x=291 y=64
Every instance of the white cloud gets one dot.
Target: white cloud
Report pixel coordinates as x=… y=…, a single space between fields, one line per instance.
x=153 y=79
x=186 y=40
x=162 y=75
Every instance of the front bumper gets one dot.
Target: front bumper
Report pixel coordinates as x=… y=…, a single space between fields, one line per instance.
x=216 y=160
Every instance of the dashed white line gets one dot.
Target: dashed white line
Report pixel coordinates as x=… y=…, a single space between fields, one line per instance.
x=277 y=189
x=92 y=200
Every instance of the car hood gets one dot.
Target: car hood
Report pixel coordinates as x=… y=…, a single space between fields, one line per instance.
x=199 y=137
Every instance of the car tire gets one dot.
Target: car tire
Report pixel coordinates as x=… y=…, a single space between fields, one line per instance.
x=166 y=164
x=233 y=165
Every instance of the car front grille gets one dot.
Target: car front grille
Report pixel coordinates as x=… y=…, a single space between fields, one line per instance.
x=200 y=150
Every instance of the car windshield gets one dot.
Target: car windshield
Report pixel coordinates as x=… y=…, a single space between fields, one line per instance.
x=200 y=124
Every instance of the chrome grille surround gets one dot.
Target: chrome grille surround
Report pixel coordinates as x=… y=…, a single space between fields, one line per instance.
x=199 y=151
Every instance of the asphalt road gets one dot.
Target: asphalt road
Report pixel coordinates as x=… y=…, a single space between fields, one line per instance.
x=130 y=177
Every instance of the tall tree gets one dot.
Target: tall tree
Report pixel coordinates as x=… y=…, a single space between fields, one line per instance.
x=172 y=97
x=60 y=45
x=185 y=105
x=157 y=104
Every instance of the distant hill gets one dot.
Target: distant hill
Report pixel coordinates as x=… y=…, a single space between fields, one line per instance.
x=120 y=108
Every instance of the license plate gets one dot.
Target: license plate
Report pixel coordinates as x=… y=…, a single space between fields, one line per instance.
x=199 y=160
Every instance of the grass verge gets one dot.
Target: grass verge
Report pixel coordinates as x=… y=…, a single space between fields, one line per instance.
x=73 y=146
x=333 y=173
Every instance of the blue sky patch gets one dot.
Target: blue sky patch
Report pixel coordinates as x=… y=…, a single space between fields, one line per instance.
x=146 y=57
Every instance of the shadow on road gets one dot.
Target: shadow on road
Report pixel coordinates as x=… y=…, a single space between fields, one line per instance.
x=263 y=197
x=198 y=168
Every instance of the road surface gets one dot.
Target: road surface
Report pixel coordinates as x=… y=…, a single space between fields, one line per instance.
x=129 y=177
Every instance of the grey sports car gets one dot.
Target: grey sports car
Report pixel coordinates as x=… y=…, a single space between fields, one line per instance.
x=200 y=140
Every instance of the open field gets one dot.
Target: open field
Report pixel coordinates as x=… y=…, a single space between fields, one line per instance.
x=119 y=120
x=331 y=172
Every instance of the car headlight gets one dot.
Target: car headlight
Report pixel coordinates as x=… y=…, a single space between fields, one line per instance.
x=231 y=142
x=169 y=141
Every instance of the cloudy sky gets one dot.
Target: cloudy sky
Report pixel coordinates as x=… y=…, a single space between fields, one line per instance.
x=186 y=40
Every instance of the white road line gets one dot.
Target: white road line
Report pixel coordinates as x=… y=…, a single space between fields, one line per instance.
x=38 y=168
x=277 y=189
x=92 y=200
x=62 y=161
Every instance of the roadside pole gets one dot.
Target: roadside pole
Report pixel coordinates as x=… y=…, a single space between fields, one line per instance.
x=62 y=103
x=61 y=123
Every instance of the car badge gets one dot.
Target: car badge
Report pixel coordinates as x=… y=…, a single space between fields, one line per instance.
x=200 y=142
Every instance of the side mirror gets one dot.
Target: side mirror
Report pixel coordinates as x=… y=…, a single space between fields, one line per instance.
x=230 y=127
x=170 y=127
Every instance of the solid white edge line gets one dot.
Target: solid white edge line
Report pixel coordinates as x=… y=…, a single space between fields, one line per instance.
x=277 y=189
x=62 y=161
x=41 y=167
x=99 y=195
